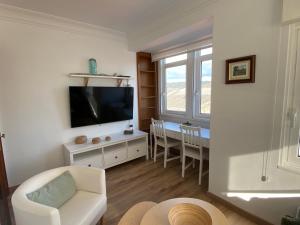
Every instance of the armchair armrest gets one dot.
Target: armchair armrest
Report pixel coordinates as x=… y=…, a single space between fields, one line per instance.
x=28 y=212
x=89 y=179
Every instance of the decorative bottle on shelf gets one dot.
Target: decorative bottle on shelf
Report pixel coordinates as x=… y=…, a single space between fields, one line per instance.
x=92 y=66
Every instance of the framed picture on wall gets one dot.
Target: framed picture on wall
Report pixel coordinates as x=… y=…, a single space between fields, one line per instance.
x=240 y=70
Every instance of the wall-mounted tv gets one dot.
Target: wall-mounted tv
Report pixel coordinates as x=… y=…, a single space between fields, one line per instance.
x=96 y=105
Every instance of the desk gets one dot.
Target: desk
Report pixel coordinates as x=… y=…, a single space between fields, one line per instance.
x=158 y=215
x=173 y=131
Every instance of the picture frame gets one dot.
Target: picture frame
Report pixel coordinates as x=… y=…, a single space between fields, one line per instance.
x=240 y=70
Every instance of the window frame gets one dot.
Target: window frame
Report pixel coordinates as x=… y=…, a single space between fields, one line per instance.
x=197 y=98
x=193 y=86
x=286 y=161
x=164 y=67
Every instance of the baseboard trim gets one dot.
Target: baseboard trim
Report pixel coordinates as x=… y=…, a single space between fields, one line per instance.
x=238 y=210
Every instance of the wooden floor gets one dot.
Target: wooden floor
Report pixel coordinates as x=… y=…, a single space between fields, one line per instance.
x=142 y=180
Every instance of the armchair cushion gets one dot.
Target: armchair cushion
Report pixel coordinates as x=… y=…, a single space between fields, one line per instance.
x=56 y=192
x=85 y=208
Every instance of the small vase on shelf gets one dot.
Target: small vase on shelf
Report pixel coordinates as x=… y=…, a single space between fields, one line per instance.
x=93 y=66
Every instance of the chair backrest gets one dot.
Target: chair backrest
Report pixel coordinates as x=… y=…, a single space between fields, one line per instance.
x=158 y=129
x=190 y=136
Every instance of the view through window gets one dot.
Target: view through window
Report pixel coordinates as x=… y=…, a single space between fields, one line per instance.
x=176 y=88
x=206 y=68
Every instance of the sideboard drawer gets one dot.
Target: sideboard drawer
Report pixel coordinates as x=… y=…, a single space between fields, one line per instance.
x=136 y=151
x=89 y=160
x=114 y=157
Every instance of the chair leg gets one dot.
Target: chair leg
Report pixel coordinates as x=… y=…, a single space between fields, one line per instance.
x=200 y=171
x=183 y=166
x=166 y=157
x=181 y=154
x=151 y=150
x=155 y=151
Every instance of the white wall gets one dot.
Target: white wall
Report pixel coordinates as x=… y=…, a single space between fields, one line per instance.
x=37 y=53
x=291 y=11
x=242 y=114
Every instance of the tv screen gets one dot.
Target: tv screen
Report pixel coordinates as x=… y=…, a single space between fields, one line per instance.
x=96 y=105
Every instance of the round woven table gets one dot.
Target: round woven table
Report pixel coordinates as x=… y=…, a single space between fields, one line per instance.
x=158 y=215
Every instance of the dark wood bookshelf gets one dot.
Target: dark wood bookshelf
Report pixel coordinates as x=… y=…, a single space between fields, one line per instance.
x=147 y=80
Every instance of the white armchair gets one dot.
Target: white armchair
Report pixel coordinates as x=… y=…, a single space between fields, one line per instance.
x=86 y=207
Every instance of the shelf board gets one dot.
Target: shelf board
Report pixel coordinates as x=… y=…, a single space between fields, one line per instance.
x=147 y=97
x=150 y=107
x=102 y=76
x=147 y=71
x=145 y=119
x=148 y=86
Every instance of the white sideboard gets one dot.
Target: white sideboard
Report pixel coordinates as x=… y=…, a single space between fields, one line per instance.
x=121 y=148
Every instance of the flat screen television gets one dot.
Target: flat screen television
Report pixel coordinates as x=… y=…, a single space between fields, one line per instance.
x=96 y=105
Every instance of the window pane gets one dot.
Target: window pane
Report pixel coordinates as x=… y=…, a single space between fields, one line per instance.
x=176 y=58
x=299 y=147
x=206 y=69
x=206 y=51
x=176 y=88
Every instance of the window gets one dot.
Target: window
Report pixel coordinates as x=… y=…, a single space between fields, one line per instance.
x=174 y=84
x=203 y=75
x=299 y=146
x=290 y=128
x=186 y=84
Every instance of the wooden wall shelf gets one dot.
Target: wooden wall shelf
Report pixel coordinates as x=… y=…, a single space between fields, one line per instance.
x=146 y=97
x=148 y=86
x=87 y=76
x=148 y=71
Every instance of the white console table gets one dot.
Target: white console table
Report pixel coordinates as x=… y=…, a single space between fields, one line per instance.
x=121 y=148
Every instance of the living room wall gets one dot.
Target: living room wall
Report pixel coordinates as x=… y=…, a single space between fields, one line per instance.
x=242 y=118
x=37 y=54
x=242 y=114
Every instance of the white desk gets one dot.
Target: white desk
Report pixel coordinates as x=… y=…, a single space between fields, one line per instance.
x=173 y=131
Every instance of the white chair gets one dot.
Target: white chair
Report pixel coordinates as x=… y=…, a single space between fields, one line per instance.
x=160 y=139
x=86 y=207
x=191 y=147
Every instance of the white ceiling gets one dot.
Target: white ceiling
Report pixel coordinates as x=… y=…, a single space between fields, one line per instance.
x=192 y=33
x=122 y=15
x=132 y=17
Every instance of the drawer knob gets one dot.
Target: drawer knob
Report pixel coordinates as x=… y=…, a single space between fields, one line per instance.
x=89 y=165
x=138 y=150
x=116 y=157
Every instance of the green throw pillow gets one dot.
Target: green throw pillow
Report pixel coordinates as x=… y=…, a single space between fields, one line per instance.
x=56 y=192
